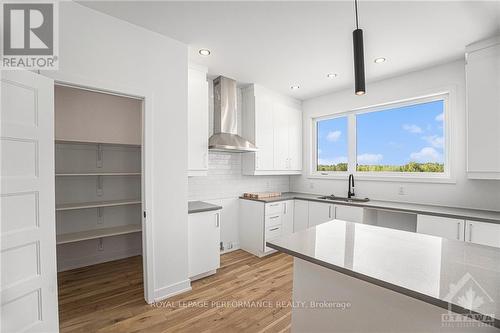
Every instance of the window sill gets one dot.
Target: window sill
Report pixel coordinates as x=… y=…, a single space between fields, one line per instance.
x=446 y=179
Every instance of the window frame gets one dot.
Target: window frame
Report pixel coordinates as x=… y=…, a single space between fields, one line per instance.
x=445 y=176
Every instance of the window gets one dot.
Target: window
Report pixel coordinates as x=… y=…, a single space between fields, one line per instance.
x=332 y=144
x=398 y=139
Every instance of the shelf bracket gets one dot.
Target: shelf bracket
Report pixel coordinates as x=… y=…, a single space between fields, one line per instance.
x=99 y=156
x=99 y=186
x=99 y=215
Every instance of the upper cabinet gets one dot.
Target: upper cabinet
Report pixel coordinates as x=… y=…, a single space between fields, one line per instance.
x=483 y=109
x=274 y=123
x=197 y=121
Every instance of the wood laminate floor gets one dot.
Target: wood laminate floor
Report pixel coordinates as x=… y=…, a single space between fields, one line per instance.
x=248 y=294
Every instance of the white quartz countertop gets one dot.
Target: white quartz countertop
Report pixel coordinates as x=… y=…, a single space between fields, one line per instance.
x=428 y=268
x=444 y=211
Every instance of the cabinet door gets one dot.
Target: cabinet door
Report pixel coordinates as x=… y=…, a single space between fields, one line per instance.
x=287 y=217
x=349 y=213
x=483 y=112
x=264 y=134
x=320 y=212
x=482 y=233
x=295 y=140
x=441 y=226
x=281 y=113
x=197 y=121
x=300 y=215
x=204 y=238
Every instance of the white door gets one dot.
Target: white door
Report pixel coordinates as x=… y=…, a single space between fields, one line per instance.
x=28 y=235
x=482 y=233
x=440 y=226
x=349 y=213
x=320 y=212
x=204 y=238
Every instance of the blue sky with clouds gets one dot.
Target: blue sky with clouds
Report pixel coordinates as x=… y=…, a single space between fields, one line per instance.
x=390 y=137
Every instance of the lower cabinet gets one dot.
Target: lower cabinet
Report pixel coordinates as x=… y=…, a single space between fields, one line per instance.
x=464 y=230
x=203 y=243
x=320 y=212
x=349 y=213
x=260 y=222
x=300 y=215
x=441 y=226
x=482 y=233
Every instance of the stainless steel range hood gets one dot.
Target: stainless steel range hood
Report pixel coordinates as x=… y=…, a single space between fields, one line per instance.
x=226 y=136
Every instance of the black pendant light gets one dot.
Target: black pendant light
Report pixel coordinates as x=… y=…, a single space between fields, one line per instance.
x=359 y=59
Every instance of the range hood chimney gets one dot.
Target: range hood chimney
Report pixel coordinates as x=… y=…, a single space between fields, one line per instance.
x=225 y=137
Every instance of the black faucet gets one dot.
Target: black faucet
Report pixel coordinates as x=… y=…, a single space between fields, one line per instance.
x=350 y=190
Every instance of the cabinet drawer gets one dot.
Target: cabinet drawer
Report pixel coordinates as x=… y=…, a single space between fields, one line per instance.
x=274 y=208
x=271 y=233
x=272 y=220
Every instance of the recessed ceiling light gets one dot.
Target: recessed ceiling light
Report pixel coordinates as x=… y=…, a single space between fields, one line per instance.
x=294 y=87
x=380 y=60
x=204 y=52
x=331 y=75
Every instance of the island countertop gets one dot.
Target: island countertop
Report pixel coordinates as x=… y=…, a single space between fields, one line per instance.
x=432 y=269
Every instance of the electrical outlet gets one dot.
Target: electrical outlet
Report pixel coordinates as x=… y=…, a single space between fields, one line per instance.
x=100 y=245
x=402 y=190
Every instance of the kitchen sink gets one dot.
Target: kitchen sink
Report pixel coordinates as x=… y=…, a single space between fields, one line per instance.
x=335 y=198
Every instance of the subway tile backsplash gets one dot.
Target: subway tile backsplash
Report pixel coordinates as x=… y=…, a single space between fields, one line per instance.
x=225 y=180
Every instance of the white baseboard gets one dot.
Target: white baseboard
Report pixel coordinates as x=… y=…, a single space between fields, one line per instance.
x=64 y=265
x=172 y=290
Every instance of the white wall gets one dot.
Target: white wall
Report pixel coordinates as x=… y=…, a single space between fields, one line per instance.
x=99 y=50
x=225 y=183
x=484 y=194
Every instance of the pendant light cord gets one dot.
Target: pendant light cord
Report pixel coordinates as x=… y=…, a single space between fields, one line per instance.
x=356 y=10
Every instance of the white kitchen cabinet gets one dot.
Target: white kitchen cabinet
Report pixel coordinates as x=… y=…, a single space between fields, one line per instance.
x=483 y=109
x=261 y=222
x=300 y=215
x=203 y=243
x=482 y=233
x=274 y=123
x=349 y=213
x=197 y=121
x=320 y=212
x=441 y=226
x=287 y=219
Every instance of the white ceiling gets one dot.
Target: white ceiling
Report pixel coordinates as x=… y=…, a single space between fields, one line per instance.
x=279 y=44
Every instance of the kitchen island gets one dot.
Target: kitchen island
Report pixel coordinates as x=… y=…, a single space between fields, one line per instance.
x=351 y=277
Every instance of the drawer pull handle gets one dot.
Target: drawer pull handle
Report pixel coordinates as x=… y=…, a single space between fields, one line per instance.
x=470 y=232
x=274 y=229
x=273 y=217
x=458 y=230
x=274 y=205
